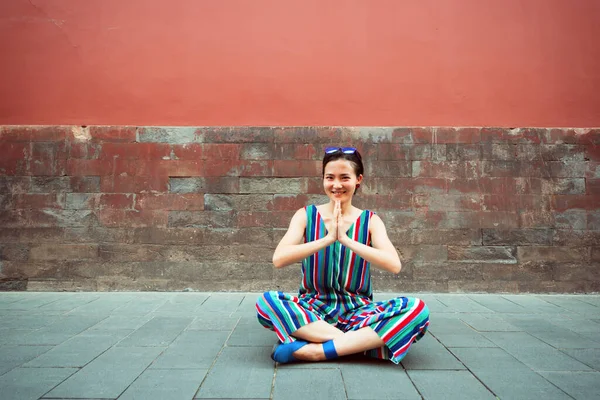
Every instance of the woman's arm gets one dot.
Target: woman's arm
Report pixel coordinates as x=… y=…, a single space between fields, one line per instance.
x=291 y=248
x=382 y=253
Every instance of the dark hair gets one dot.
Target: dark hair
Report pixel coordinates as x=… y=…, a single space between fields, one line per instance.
x=354 y=158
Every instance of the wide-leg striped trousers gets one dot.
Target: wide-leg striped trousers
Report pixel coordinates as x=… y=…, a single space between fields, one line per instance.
x=399 y=322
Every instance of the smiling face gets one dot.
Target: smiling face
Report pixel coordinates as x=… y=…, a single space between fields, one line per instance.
x=340 y=180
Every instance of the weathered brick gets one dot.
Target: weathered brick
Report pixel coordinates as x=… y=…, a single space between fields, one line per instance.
x=131 y=252
x=552 y=253
x=361 y=134
x=576 y=272
x=85 y=184
x=201 y=219
x=272 y=185
x=113 y=133
x=467 y=271
x=288 y=168
x=573 y=136
x=15 y=184
x=536 y=218
x=592 y=152
x=523 y=271
x=111 y=217
x=495 y=237
x=31 y=235
x=593 y=220
x=456 y=135
x=205 y=185
x=446 y=169
x=592 y=170
x=170 y=168
x=592 y=186
x=595 y=254
x=14 y=252
x=383 y=202
x=397 y=220
x=449 y=202
x=389 y=169
x=257 y=151
x=79 y=167
x=571 y=202
x=289 y=202
x=563 y=186
x=275 y=219
x=98 y=234
x=93 y=201
x=24 y=218
x=562 y=169
x=498 y=219
x=34 y=133
x=399 y=186
x=396 y=151
x=124 y=183
x=515 y=169
x=170 y=201
x=562 y=152
x=256 y=168
x=463 y=152
x=238 y=202
x=447 y=236
x=512 y=202
x=422 y=253
x=235 y=135
x=85 y=150
x=412 y=135
x=48 y=159
x=38 y=200
x=58 y=251
x=136 y=151
x=173 y=135
x=295 y=151
x=483 y=254
x=573 y=237
x=573 y=219
x=513 y=135
x=498 y=151
x=251 y=235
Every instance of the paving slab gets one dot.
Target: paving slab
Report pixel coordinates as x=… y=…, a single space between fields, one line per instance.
x=108 y=375
x=590 y=357
x=251 y=333
x=505 y=376
x=192 y=350
x=498 y=303
x=363 y=380
x=159 y=331
x=534 y=305
x=62 y=329
x=449 y=385
x=535 y=353
x=428 y=353
x=31 y=383
x=180 y=384
x=15 y=356
x=79 y=350
x=240 y=373
x=461 y=303
x=488 y=323
x=213 y=321
x=580 y=385
x=298 y=384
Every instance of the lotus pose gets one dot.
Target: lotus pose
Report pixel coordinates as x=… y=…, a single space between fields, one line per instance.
x=334 y=313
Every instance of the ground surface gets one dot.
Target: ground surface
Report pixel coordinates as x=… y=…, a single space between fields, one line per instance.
x=209 y=345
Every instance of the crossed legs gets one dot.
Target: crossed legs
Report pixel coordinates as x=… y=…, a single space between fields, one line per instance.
x=345 y=343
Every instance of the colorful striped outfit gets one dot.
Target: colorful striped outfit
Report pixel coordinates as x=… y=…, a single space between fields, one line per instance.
x=336 y=288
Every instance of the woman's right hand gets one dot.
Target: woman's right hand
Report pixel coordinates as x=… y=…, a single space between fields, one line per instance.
x=333 y=224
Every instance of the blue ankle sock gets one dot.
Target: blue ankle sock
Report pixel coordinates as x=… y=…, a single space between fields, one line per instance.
x=282 y=352
x=329 y=350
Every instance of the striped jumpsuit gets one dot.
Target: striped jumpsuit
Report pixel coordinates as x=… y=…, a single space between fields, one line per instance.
x=336 y=288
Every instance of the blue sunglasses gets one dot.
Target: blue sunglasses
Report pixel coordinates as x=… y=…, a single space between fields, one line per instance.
x=345 y=150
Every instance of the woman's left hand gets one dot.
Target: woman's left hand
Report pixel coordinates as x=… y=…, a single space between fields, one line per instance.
x=342 y=228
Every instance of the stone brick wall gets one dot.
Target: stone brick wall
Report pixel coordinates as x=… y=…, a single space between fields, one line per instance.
x=149 y=208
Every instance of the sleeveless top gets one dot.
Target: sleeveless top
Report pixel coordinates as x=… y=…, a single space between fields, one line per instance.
x=336 y=271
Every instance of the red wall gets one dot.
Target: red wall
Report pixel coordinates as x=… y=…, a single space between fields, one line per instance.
x=240 y=62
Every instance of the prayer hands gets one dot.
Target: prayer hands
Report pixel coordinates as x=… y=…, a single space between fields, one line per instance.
x=336 y=228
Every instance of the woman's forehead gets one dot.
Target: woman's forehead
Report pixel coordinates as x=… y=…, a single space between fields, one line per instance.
x=339 y=167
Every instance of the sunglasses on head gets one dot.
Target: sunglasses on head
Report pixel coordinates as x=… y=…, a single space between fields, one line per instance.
x=345 y=150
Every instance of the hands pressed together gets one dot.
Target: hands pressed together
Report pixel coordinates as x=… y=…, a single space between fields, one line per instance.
x=336 y=227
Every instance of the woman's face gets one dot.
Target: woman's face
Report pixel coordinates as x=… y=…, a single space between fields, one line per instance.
x=340 y=180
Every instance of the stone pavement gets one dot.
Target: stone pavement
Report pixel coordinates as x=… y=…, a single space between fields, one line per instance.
x=209 y=345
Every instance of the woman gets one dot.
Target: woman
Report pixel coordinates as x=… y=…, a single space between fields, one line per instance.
x=334 y=314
